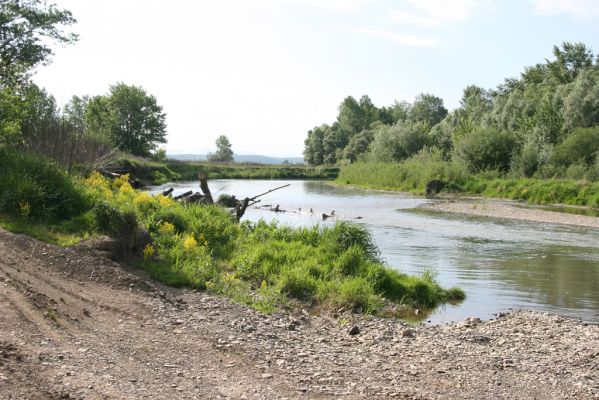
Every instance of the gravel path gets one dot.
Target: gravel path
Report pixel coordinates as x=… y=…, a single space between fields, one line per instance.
x=75 y=325
x=496 y=209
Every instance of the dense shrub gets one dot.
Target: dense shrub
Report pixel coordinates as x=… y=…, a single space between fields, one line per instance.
x=580 y=147
x=37 y=188
x=487 y=149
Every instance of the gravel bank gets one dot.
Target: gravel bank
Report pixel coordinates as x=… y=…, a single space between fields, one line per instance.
x=495 y=209
x=75 y=325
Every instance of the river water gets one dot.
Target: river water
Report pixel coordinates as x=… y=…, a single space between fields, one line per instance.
x=501 y=264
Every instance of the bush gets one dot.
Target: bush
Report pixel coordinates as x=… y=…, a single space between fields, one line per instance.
x=35 y=187
x=580 y=147
x=487 y=149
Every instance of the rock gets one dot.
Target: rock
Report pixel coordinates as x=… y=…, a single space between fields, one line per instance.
x=266 y=376
x=408 y=332
x=354 y=330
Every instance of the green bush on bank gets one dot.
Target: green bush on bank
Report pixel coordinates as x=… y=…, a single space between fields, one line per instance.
x=37 y=188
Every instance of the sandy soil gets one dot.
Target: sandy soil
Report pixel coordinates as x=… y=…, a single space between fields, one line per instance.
x=503 y=209
x=75 y=325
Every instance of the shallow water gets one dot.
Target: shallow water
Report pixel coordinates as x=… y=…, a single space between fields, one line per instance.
x=501 y=264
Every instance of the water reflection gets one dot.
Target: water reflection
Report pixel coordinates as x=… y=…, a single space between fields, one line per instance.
x=501 y=264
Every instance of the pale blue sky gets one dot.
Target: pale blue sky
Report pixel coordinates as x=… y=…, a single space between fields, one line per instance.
x=264 y=72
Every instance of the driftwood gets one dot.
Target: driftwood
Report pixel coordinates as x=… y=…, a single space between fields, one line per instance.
x=183 y=195
x=241 y=207
x=205 y=189
x=134 y=182
x=194 y=198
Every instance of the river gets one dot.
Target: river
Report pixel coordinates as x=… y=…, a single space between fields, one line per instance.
x=501 y=264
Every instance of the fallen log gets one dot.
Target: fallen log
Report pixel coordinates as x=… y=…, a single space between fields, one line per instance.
x=168 y=192
x=197 y=197
x=182 y=195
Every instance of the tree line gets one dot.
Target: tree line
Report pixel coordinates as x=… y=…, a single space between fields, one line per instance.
x=127 y=117
x=545 y=123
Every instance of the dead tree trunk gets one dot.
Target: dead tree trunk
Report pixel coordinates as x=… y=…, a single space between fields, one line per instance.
x=205 y=189
x=241 y=207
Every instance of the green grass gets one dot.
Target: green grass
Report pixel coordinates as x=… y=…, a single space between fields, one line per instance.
x=59 y=235
x=539 y=191
x=413 y=175
x=263 y=265
x=408 y=176
x=157 y=173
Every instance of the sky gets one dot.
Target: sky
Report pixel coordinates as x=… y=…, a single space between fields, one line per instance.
x=264 y=72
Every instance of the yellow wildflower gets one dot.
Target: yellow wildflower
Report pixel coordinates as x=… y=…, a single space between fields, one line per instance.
x=264 y=285
x=120 y=181
x=189 y=242
x=165 y=201
x=149 y=251
x=24 y=208
x=96 y=180
x=166 y=227
x=142 y=197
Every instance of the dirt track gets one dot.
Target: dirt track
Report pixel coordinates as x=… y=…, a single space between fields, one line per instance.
x=74 y=324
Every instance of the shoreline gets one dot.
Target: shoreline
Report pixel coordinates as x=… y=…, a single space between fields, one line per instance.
x=74 y=324
x=508 y=209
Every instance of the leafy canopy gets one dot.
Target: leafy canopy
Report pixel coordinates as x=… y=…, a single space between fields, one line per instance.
x=223 y=150
x=27 y=27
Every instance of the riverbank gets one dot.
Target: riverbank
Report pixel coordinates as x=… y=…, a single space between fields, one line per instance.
x=157 y=173
x=415 y=175
x=77 y=325
x=506 y=210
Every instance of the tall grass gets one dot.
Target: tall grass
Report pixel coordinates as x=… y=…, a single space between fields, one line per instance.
x=540 y=191
x=412 y=176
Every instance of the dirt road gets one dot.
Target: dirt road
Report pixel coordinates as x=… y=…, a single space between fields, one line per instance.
x=74 y=324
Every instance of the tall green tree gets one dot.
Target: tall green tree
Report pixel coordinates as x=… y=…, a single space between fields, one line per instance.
x=428 y=108
x=27 y=28
x=130 y=116
x=223 y=152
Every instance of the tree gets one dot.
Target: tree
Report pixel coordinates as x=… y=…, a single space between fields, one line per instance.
x=428 y=108
x=130 y=117
x=398 y=142
x=27 y=27
x=223 y=150
x=314 y=147
x=487 y=149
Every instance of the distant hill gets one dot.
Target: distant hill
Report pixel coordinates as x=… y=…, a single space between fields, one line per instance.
x=240 y=158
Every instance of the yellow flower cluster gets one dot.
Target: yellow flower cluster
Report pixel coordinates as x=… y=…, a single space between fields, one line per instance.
x=166 y=228
x=24 y=208
x=164 y=201
x=120 y=181
x=97 y=185
x=149 y=251
x=142 y=198
x=96 y=180
x=189 y=242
